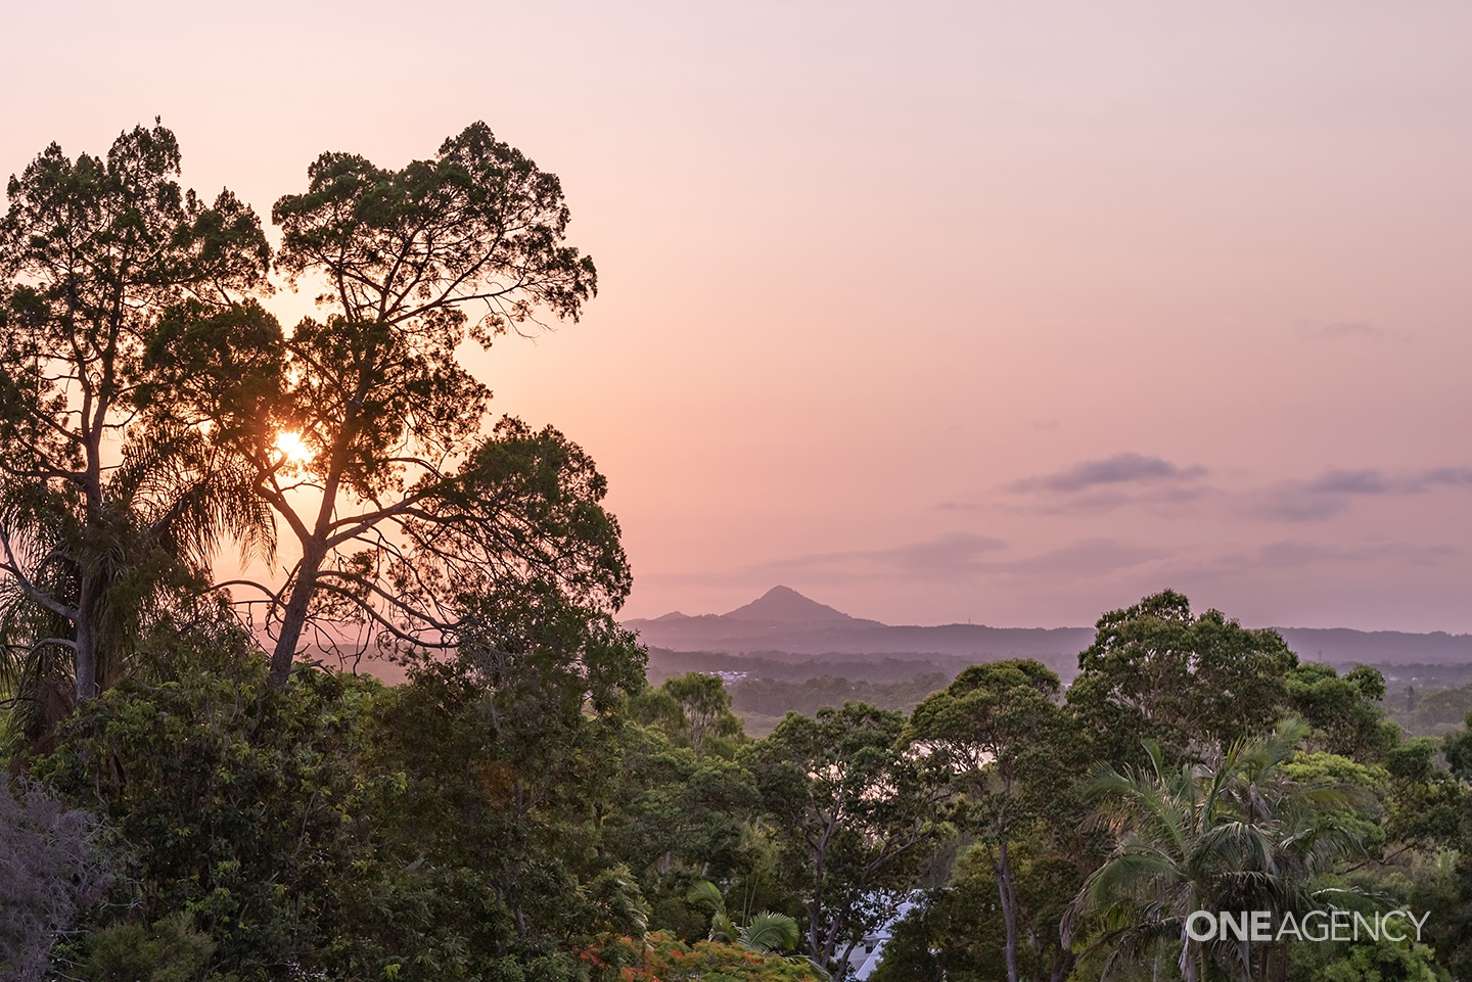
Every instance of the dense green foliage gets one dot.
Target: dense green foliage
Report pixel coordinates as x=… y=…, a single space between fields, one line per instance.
x=533 y=810
x=661 y=957
x=1302 y=797
x=762 y=702
x=339 y=827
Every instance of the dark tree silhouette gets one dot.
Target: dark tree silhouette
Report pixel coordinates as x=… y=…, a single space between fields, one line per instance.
x=95 y=253
x=406 y=513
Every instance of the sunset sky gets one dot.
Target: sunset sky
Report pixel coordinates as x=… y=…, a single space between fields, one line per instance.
x=936 y=312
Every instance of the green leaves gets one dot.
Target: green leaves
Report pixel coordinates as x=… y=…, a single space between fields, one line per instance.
x=1246 y=830
x=1459 y=750
x=768 y=932
x=855 y=812
x=700 y=712
x=615 y=895
x=1192 y=682
x=340 y=827
x=1344 y=712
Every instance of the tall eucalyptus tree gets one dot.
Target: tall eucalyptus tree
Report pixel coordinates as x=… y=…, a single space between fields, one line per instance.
x=367 y=434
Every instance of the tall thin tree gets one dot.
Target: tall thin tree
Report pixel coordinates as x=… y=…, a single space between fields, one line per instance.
x=94 y=254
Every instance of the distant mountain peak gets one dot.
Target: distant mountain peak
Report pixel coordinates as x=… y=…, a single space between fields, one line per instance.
x=784 y=605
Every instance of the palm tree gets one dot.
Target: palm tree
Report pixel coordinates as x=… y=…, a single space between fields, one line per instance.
x=1232 y=833
x=765 y=933
x=170 y=503
x=768 y=933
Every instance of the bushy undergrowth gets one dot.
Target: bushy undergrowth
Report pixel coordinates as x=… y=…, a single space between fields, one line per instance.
x=53 y=865
x=661 y=957
x=316 y=832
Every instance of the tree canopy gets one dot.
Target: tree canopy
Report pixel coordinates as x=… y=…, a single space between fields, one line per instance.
x=406 y=512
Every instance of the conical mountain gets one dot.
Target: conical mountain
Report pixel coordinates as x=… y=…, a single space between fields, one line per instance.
x=784 y=605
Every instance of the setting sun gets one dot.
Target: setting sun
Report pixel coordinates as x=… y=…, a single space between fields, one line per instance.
x=293 y=447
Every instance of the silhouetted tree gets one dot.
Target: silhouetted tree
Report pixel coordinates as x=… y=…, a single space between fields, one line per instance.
x=95 y=253
x=404 y=510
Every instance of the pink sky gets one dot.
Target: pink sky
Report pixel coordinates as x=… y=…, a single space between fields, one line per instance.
x=1001 y=312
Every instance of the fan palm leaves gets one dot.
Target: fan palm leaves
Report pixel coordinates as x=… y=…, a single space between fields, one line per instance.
x=706 y=897
x=765 y=933
x=768 y=932
x=1233 y=833
x=169 y=504
x=189 y=497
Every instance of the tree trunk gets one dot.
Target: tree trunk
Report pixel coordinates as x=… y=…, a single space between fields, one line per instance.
x=1189 y=966
x=85 y=671
x=294 y=619
x=815 y=946
x=1278 y=954
x=1008 y=897
x=91 y=586
x=86 y=667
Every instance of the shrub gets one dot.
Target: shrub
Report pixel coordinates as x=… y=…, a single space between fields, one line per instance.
x=262 y=816
x=661 y=957
x=170 y=950
x=53 y=866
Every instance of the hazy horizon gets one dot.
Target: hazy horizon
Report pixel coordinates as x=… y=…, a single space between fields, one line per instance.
x=860 y=615
x=991 y=313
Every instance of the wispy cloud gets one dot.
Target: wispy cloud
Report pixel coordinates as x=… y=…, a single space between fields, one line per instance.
x=1157 y=499
x=1120 y=469
x=1352 y=330
x=1295 y=555
x=1333 y=491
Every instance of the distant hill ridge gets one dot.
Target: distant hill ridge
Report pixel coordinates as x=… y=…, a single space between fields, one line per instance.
x=782 y=619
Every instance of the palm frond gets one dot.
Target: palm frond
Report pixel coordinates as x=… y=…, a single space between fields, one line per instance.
x=769 y=932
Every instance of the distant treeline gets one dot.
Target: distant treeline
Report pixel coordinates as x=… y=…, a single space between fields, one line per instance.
x=762 y=702
x=775 y=697
x=1424 y=699
x=883 y=667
